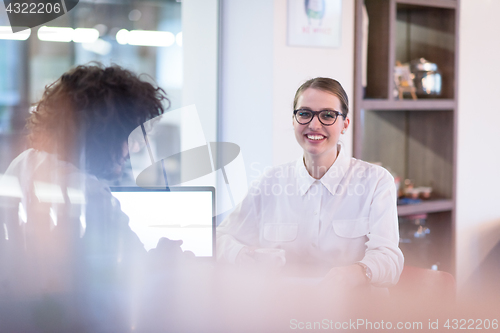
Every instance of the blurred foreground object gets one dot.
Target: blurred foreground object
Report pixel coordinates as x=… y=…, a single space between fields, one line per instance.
x=69 y=260
x=425 y=285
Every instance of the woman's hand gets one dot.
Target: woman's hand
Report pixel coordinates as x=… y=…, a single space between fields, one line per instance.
x=245 y=257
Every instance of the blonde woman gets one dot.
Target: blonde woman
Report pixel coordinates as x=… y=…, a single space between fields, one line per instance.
x=325 y=208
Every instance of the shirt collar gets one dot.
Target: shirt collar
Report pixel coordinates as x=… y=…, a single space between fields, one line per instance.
x=331 y=179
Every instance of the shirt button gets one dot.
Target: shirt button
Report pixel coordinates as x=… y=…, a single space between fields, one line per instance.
x=315 y=213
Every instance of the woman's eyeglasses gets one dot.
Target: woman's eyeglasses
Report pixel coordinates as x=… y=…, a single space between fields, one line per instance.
x=326 y=117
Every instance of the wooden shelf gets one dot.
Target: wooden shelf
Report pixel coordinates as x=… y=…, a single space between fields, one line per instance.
x=422 y=104
x=430 y=3
x=416 y=139
x=431 y=206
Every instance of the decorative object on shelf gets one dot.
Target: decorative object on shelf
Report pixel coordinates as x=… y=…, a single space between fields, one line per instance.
x=397 y=182
x=411 y=134
x=408 y=201
x=422 y=230
x=414 y=193
x=403 y=79
x=413 y=228
x=424 y=192
x=426 y=77
x=419 y=221
x=408 y=187
x=315 y=23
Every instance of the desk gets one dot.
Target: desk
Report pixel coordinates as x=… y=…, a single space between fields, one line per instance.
x=216 y=298
x=201 y=297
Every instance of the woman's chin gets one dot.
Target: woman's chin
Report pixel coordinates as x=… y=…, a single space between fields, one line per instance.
x=318 y=151
x=315 y=148
x=314 y=153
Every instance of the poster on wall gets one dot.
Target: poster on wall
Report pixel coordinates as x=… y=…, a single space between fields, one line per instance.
x=315 y=23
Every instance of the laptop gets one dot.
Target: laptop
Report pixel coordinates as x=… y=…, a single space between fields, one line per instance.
x=177 y=213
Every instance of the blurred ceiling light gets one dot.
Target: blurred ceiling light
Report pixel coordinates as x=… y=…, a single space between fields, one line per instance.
x=134 y=15
x=6 y=33
x=100 y=46
x=145 y=37
x=55 y=34
x=85 y=35
x=178 y=38
x=63 y=34
x=151 y=38
x=122 y=36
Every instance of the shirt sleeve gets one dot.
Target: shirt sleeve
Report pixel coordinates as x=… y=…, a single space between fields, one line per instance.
x=240 y=228
x=383 y=256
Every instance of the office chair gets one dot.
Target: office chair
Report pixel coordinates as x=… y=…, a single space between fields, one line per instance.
x=425 y=286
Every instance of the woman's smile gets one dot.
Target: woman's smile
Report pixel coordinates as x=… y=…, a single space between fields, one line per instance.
x=319 y=141
x=315 y=137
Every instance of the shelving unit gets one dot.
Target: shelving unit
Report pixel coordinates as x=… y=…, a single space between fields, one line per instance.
x=415 y=139
x=431 y=206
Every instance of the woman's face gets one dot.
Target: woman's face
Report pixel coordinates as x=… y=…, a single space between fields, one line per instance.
x=316 y=139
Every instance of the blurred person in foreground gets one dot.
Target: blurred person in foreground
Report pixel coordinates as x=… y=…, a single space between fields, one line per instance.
x=69 y=258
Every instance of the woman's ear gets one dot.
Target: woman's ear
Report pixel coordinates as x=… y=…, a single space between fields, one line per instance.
x=347 y=122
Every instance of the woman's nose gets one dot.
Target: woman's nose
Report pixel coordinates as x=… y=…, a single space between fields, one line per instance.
x=315 y=123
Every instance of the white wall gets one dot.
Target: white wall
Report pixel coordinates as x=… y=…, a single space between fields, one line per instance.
x=246 y=104
x=292 y=66
x=478 y=180
x=200 y=35
x=260 y=75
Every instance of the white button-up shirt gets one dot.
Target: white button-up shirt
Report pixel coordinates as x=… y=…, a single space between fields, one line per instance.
x=347 y=216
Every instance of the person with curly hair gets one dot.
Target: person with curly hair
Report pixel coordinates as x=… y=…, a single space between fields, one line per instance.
x=69 y=252
x=85 y=117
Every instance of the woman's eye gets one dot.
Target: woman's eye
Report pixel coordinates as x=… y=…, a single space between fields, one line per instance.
x=304 y=114
x=328 y=115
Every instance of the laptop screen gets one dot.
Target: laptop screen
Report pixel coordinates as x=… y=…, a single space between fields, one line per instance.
x=182 y=213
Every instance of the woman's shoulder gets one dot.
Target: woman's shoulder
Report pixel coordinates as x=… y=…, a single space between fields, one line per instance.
x=41 y=166
x=28 y=157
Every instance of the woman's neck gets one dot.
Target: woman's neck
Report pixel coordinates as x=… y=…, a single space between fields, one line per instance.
x=317 y=166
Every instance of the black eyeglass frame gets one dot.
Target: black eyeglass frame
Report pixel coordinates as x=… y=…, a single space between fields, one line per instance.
x=317 y=113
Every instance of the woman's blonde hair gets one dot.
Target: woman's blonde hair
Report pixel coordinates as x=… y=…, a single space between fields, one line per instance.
x=328 y=85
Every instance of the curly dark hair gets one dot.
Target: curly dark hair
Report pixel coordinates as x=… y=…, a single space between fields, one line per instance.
x=88 y=113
